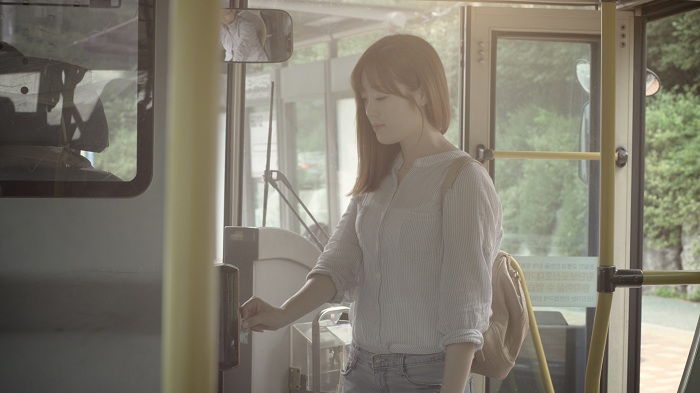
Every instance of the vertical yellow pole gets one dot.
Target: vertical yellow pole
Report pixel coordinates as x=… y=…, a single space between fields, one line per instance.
x=189 y=309
x=607 y=193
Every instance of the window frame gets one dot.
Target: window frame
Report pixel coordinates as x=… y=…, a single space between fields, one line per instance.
x=144 y=138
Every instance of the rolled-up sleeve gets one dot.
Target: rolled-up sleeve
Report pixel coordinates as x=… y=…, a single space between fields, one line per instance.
x=472 y=232
x=341 y=259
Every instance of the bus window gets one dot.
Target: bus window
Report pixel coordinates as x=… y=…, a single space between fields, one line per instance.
x=75 y=95
x=314 y=109
x=670 y=233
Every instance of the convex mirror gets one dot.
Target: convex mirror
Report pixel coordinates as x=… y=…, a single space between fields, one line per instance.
x=583 y=74
x=255 y=35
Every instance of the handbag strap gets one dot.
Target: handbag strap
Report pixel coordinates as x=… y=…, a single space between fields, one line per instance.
x=451 y=175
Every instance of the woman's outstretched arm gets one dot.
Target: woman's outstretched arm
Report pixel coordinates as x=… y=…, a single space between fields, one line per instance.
x=258 y=315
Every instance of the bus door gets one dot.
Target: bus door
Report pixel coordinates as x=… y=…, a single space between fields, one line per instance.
x=533 y=97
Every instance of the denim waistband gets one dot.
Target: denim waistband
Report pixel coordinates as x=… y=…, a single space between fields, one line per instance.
x=385 y=360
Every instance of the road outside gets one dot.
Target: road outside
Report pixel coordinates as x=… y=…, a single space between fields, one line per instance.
x=668 y=326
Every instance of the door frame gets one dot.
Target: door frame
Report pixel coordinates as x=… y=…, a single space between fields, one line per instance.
x=483 y=25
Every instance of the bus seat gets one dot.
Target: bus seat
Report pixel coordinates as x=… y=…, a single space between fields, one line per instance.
x=43 y=92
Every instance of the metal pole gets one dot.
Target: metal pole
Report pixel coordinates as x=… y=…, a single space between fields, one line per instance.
x=189 y=302
x=547 y=155
x=235 y=137
x=670 y=277
x=607 y=193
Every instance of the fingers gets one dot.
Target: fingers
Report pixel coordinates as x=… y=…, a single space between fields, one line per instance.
x=249 y=308
x=254 y=315
x=252 y=307
x=258 y=316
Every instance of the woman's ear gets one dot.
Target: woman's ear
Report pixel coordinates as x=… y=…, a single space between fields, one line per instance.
x=420 y=97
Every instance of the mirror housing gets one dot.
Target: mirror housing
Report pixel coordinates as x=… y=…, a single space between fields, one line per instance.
x=255 y=35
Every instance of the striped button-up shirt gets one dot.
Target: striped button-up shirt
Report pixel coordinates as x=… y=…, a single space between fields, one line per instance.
x=419 y=279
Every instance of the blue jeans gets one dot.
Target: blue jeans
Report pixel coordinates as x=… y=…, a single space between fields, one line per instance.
x=366 y=372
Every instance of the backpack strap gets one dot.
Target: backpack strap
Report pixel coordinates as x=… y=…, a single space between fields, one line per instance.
x=451 y=175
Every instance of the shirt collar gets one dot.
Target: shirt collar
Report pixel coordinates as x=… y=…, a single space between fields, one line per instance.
x=430 y=160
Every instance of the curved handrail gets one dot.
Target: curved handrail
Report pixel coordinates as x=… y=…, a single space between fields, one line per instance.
x=534 y=331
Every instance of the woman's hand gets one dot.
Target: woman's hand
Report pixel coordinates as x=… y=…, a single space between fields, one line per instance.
x=259 y=316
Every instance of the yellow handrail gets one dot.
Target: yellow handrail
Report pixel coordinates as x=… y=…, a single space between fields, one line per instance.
x=534 y=331
x=548 y=155
x=607 y=193
x=672 y=277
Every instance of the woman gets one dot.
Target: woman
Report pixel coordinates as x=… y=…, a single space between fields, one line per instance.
x=419 y=279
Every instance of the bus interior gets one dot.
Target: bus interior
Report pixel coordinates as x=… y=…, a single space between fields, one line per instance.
x=150 y=183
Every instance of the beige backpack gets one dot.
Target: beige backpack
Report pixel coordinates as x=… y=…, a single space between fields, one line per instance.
x=508 y=325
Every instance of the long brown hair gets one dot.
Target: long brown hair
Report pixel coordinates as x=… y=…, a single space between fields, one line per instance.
x=395 y=60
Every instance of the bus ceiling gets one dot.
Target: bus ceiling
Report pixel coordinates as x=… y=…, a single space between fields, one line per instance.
x=622 y=5
x=350 y=19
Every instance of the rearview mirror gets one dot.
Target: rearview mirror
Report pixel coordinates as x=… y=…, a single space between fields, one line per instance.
x=255 y=35
x=583 y=74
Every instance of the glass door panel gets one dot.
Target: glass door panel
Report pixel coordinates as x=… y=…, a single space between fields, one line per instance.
x=548 y=207
x=539 y=107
